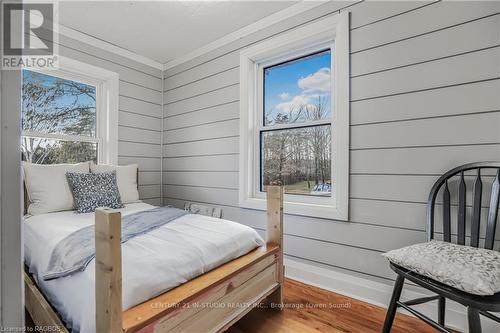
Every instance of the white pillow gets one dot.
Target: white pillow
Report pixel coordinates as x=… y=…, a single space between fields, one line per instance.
x=47 y=186
x=126 y=177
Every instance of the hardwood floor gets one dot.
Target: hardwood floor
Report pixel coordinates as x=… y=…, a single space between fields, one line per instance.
x=345 y=315
x=352 y=316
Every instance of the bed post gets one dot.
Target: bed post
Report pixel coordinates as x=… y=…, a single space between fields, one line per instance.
x=274 y=234
x=108 y=271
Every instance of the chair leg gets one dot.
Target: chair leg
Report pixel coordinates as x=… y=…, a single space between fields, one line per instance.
x=441 y=310
x=474 y=320
x=391 y=311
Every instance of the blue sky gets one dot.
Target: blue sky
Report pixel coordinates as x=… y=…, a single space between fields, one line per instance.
x=297 y=82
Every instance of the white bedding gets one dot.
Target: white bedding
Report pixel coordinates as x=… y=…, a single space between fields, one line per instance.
x=152 y=263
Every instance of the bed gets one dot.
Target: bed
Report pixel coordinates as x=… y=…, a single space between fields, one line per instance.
x=195 y=274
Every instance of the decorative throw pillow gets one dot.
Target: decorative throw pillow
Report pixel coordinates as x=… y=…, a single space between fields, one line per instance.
x=47 y=186
x=126 y=178
x=94 y=190
x=203 y=210
x=475 y=271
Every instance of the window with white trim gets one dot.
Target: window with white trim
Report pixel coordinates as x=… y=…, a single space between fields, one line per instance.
x=69 y=116
x=294 y=105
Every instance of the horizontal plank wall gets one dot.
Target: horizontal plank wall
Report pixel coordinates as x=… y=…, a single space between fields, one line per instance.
x=425 y=80
x=140 y=112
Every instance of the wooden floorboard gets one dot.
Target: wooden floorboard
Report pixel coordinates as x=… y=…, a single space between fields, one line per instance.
x=357 y=317
x=310 y=309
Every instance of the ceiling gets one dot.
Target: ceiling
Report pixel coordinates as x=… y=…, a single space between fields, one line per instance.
x=163 y=30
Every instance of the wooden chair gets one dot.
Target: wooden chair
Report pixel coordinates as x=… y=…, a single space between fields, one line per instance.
x=476 y=305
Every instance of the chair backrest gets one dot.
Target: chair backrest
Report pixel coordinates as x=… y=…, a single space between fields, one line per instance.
x=476 y=199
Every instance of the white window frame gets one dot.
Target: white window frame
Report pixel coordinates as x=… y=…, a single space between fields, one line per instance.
x=107 y=84
x=333 y=33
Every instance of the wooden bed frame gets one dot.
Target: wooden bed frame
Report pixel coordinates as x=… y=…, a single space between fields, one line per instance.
x=211 y=302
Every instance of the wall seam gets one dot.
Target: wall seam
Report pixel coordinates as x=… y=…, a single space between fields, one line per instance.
x=162 y=133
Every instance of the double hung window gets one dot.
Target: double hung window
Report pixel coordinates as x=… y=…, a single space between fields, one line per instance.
x=294 y=117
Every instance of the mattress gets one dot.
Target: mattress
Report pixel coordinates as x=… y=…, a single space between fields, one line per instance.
x=152 y=263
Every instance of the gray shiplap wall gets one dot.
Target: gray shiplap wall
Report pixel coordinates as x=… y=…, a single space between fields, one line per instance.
x=425 y=80
x=140 y=111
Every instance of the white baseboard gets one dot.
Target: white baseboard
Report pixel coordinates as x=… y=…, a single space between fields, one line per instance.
x=377 y=293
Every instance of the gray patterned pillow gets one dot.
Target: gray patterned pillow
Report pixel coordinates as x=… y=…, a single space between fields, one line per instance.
x=92 y=190
x=473 y=270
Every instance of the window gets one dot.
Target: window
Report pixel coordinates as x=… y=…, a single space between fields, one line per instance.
x=69 y=115
x=294 y=107
x=58 y=120
x=295 y=141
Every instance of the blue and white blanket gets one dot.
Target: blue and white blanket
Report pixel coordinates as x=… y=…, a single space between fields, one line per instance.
x=74 y=253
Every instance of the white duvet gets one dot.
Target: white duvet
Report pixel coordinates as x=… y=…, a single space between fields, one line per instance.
x=152 y=263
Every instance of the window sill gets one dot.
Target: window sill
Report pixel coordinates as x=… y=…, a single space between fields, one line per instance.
x=304 y=209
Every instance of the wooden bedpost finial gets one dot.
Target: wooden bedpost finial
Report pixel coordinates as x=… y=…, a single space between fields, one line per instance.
x=108 y=271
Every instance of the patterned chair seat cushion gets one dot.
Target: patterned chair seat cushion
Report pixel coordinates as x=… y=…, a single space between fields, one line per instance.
x=473 y=270
x=93 y=190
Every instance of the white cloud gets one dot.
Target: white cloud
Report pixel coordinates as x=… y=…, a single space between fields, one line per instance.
x=317 y=82
x=295 y=102
x=312 y=87
x=284 y=96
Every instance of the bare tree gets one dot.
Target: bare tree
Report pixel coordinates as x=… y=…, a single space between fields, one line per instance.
x=292 y=156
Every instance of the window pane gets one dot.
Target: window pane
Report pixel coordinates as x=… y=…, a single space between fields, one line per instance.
x=299 y=159
x=49 y=151
x=298 y=90
x=57 y=106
